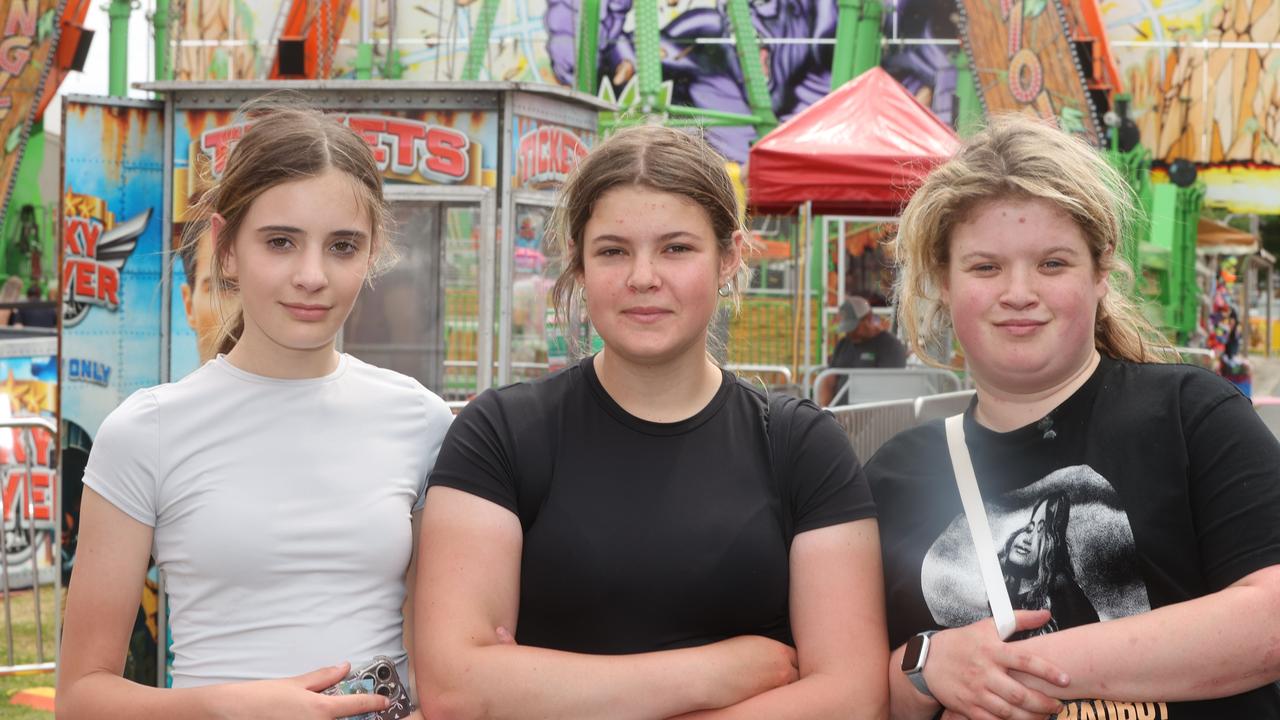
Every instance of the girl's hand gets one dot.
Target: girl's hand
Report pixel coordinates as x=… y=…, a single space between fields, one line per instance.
x=296 y=698
x=968 y=671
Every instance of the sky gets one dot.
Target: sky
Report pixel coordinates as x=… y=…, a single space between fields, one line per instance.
x=93 y=81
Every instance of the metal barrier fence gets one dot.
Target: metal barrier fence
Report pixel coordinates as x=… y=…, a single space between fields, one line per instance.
x=870 y=425
x=22 y=498
x=862 y=385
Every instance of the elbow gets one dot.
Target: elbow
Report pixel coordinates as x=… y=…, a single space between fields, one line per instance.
x=451 y=705
x=67 y=707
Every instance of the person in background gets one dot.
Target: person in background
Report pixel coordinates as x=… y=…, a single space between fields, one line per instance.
x=11 y=292
x=35 y=313
x=864 y=343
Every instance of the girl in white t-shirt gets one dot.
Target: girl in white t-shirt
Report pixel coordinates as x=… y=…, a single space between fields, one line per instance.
x=278 y=486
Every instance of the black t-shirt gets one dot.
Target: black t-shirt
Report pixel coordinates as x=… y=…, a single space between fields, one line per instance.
x=1161 y=479
x=882 y=351
x=643 y=536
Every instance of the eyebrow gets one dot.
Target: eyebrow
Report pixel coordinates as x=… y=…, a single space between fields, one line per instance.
x=1055 y=250
x=618 y=238
x=344 y=234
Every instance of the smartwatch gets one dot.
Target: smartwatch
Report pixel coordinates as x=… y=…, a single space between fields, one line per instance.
x=914 y=658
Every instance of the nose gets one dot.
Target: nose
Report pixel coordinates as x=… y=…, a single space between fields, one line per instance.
x=309 y=272
x=643 y=275
x=1019 y=292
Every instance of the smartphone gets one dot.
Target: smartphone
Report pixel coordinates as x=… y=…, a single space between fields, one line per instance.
x=378 y=676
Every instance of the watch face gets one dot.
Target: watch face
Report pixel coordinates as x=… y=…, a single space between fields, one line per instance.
x=911 y=656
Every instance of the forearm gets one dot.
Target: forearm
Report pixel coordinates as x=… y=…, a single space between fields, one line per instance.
x=815 y=696
x=513 y=681
x=104 y=696
x=1214 y=646
x=905 y=702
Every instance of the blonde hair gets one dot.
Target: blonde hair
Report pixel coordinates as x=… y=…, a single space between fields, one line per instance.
x=648 y=156
x=286 y=140
x=1017 y=157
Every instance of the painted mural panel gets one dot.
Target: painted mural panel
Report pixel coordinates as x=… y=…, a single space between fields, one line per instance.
x=111 y=257
x=1206 y=84
x=30 y=27
x=1022 y=61
x=28 y=388
x=1204 y=77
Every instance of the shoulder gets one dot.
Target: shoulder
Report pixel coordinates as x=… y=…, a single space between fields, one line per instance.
x=138 y=414
x=1189 y=391
x=385 y=385
x=525 y=405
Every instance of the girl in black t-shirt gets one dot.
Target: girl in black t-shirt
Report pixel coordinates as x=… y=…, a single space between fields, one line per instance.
x=1122 y=489
x=642 y=535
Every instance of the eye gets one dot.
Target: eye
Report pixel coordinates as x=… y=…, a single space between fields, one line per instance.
x=984 y=268
x=1054 y=264
x=279 y=242
x=678 y=249
x=345 y=248
x=610 y=252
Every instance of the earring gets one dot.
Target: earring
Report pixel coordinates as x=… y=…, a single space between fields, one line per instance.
x=726 y=290
x=582 y=294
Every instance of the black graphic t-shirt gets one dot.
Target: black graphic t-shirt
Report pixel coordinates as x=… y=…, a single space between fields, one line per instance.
x=1150 y=485
x=643 y=536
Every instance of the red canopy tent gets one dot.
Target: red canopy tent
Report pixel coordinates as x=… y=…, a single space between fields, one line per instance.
x=862 y=149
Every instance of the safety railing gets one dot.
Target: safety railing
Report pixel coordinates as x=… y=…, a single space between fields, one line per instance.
x=1197 y=356
x=870 y=425
x=863 y=385
x=32 y=514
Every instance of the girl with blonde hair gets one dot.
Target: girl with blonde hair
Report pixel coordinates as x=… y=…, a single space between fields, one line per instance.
x=1172 y=480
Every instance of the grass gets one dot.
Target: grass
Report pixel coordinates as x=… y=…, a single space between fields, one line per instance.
x=22 y=609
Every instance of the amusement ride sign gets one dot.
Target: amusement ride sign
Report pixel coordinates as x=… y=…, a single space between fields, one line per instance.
x=1023 y=61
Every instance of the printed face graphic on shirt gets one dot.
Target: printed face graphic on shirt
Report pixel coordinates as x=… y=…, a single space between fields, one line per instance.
x=1064 y=545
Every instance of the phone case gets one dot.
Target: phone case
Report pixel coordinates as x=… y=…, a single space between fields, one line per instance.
x=378 y=676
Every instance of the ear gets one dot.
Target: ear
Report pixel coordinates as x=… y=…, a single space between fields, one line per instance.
x=217 y=224
x=1102 y=280
x=731 y=258
x=185 y=289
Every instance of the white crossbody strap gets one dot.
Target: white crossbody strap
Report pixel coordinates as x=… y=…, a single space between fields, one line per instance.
x=979 y=530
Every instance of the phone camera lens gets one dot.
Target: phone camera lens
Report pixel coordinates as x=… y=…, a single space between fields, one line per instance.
x=384 y=691
x=369 y=676
x=384 y=672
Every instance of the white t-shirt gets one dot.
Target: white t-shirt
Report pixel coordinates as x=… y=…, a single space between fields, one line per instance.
x=281 y=511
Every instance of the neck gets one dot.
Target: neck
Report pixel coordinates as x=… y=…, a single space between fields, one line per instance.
x=665 y=392
x=1004 y=411
x=258 y=354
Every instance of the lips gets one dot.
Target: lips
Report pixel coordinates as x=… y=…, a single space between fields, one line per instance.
x=1021 y=326
x=306 y=312
x=646 y=315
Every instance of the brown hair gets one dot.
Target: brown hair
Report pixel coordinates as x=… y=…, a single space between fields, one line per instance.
x=1019 y=157
x=286 y=140
x=648 y=156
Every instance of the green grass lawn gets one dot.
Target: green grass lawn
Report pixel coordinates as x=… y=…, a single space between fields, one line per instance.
x=22 y=609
